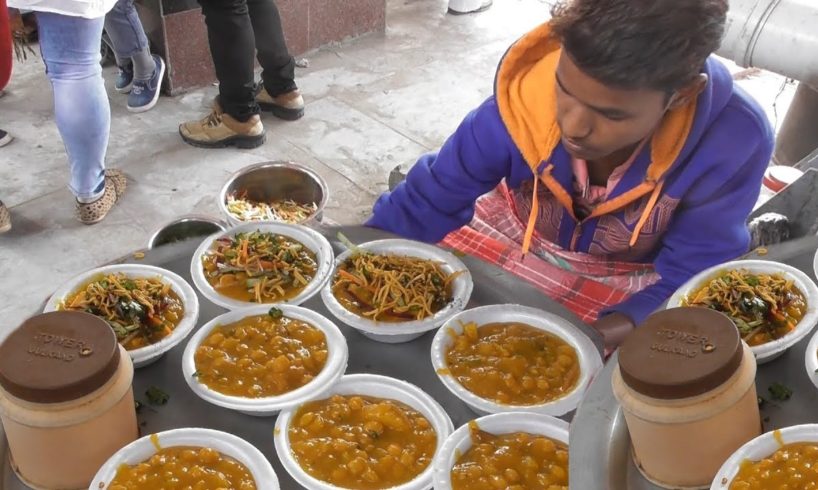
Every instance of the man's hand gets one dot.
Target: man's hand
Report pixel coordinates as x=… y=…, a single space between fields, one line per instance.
x=614 y=328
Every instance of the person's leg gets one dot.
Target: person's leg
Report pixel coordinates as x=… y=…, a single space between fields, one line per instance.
x=279 y=94
x=70 y=50
x=136 y=64
x=235 y=120
x=5 y=217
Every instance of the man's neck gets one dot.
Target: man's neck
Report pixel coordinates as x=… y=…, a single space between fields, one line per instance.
x=600 y=170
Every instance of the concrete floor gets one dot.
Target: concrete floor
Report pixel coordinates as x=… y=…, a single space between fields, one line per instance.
x=372 y=103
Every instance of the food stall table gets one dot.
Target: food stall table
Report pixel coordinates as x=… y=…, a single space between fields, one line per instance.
x=409 y=361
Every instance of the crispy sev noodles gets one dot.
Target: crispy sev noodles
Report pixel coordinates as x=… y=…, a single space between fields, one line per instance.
x=764 y=307
x=392 y=288
x=140 y=310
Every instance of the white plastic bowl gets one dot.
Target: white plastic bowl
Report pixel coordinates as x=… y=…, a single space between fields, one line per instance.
x=762 y=447
x=310 y=238
x=150 y=353
x=501 y=423
x=771 y=350
x=336 y=364
x=227 y=444
x=590 y=361
x=375 y=386
x=397 y=332
x=811 y=359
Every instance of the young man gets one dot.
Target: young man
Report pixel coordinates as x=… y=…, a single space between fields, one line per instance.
x=237 y=29
x=626 y=161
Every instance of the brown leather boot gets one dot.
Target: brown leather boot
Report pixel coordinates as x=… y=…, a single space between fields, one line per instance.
x=220 y=130
x=288 y=106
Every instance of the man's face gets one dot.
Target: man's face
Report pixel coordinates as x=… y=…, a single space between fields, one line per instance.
x=596 y=120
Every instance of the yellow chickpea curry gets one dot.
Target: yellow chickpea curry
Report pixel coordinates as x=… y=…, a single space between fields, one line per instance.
x=512 y=363
x=515 y=461
x=361 y=442
x=195 y=468
x=261 y=356
x=259 y=267
x=793 y=466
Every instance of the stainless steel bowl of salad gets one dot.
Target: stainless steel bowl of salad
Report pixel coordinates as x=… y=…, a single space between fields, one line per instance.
x=283 y=192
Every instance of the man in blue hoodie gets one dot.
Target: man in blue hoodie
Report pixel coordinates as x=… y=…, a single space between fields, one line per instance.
x=614 y=144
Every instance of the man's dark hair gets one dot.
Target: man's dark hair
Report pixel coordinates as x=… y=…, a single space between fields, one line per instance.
x=640 y=44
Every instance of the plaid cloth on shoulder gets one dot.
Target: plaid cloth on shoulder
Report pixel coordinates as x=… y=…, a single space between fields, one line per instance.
x=583 y=283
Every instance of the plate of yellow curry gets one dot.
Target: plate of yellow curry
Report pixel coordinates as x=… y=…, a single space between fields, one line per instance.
x=196 y=458
x=785 y=458
x=772 y=305
x=395 y=290
x=368 y=432
x=262 y=263
x=512 y=451
x=150 y=309
x=262 y=359
x=503 y=358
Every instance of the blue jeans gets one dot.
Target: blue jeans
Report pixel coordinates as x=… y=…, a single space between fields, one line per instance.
x=125 y=30
x=70 y=50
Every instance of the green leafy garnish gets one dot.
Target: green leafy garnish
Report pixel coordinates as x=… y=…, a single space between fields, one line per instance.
x=779 y=392
x=156 y=396
x=275 y=313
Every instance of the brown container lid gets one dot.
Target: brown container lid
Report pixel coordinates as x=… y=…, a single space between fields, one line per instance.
x=57 y=357
x=680 y=353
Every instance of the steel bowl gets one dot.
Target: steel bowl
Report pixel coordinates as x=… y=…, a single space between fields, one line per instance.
x=271 y=181
x=185 y=228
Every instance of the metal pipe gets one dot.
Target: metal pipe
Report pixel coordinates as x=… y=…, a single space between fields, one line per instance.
x=798 y=136
x=775 y=35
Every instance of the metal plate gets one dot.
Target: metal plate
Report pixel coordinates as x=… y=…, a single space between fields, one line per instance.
x=600 y=444
x=410 y=361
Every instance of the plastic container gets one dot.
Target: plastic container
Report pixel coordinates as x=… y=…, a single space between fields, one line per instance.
x=65 y=398
x=686 y=383
x=502 y=423
x=226 y=444
x=334 y=368
x=150 y=353
x=590 y=360
x=398 y=332
x=762 y=447
x=310 y=238
x=771 y=350
x=376 y=386
x=777 y=177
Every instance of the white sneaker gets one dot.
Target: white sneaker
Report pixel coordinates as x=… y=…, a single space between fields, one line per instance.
x=459 y=7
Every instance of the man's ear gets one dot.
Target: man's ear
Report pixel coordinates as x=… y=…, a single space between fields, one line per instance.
x=689 y=92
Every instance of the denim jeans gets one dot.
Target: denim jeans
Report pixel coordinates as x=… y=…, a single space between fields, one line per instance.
x=125 y=30
x=70 y=50
x=238 y=30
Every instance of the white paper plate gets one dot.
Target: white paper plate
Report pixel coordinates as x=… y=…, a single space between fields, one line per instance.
x=334 y=368
x=150 y=353
x=769 y=351
x=227 y=444
x=589 y=359
x=396 y=332
x=502 y=423
x=375 y=386
x=310 y=238
x=759 y=448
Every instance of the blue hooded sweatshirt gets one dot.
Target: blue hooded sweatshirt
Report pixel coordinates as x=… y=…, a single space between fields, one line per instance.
x=682 y=205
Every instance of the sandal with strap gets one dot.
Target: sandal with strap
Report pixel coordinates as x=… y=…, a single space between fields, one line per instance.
x=94 y=212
